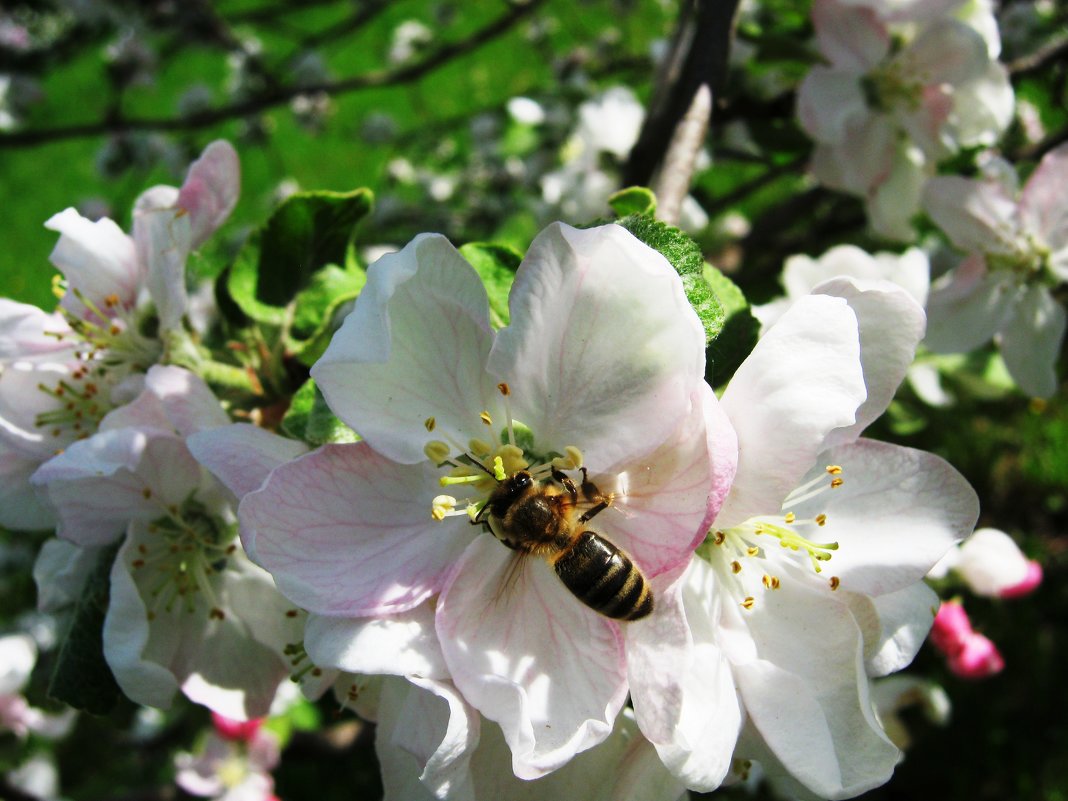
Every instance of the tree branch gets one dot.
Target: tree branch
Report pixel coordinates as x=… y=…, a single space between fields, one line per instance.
x=276 y=96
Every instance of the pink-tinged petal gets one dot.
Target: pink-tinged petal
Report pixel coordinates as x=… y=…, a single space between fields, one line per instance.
x=991 y=562
x=528 y=655
x=96 y=258
x=27 y=332
x=1028 y=584
x=978 y=658
x=891 y=325
x=242 y=455
x=946 y=51
x=404 y=644
x=802 y=381
x=98 y=485
x=1031 y=341
x=172 y=399
x=863 y=159
x=603 y=350
x=164 y=240
x=924 y=122
x=894 y=625
x=21 y=506
x=413 y=348
x=211 y=188
x=807 y=693
x=1043 y=208
x=155 y=198
x=852 y=38
x=670 y=498
x=681 y=682
x=895 y=515
x=23 y=405
x=348 y=533
x=976 y=215
x=829 y=101
x=968 y=306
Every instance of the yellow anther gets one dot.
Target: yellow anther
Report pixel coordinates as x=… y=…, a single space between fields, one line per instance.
x=485 y=418
x=473 y=509
x=836 y=483
x=479 y=447
x=821 y=519
x=736 y=566
x=498 y=469
x=504 y=389
x=575 y=455
x=790 y=517
x=748 y=602
x=436 y=451
x=58 y=287
x=430 y=423
x=752 y=550
x=770 y=582
x=441 y=506
x=834 y=469
x=835 y=582
x=719 y=537
x=111 y=300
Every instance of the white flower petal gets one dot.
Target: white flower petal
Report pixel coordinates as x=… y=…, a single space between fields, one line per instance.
x=852 y=38
x=531 y=657
x=241 y=455
x=895 y=625
x=968 y=306
x=802 y=380
x=413 y=348
x=862 y=160
x=1031 y=341
x=976 y=215
x=896 y=197
x=1043 y=210
x=347 y=533
x=991 y=562
x=97 y=258
x=891 y=325
x=164 y=240
x=60 y=573
x=896 y=514
x=23 y=329
x=829 y=101
x=173 y=398
x=404 y=644
x=603 y=350
x=945 y=52
x=21 y=506
x=982 y=108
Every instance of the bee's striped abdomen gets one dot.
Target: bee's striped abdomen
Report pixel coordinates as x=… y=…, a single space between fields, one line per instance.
x=604 y=578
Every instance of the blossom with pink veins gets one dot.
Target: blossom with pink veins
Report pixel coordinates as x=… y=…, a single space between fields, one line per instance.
x=811 y=581
x=601 y=366
x=187 y=609
x=883 y=117
x=1017 y=246
x=61 y=372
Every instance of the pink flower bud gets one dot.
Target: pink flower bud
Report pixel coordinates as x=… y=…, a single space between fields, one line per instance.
x=1029 y=583
x=235 y=730
x=978 y=658
x=951 y=626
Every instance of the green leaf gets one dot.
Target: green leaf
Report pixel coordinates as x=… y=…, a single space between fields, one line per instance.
x=317 y=305
x=82 y=678
x=633 y=200
x=496 y=265
x=310 y=419
x=685 y=256
x=738 y=332
x=308 y=231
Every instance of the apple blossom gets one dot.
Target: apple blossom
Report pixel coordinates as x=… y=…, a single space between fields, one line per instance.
x=60 y=373
x=186 y=609
x=228 y=768
x=882 y=117
x=600 y=367
x=811 y=580
x=1017 y=246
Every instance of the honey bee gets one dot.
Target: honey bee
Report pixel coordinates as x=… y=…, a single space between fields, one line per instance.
x=541 y=518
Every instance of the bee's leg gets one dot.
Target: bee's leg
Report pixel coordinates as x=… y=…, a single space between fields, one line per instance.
x=569 y=485
x=592 y=493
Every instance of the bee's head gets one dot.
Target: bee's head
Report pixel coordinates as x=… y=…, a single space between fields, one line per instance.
x=508 y=491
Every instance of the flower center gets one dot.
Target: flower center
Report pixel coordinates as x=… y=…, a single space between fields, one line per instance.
x=480 y=465
x=746 y=557
x=179 y=564
x=890 y=87
x=107 y=347
x=1027 y=258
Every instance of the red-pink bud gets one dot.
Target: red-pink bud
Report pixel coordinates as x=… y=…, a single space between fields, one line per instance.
x=235 y=730
x=1028 y=585
x=978 y=658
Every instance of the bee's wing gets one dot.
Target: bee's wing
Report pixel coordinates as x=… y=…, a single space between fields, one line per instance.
x=511 y=574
